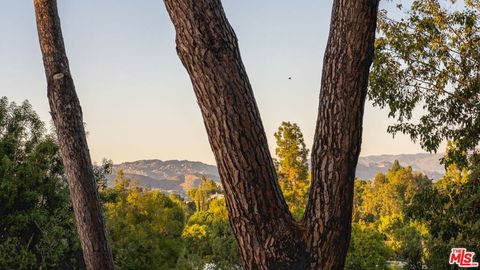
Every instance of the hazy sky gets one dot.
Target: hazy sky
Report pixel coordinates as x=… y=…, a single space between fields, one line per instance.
x=137 y=99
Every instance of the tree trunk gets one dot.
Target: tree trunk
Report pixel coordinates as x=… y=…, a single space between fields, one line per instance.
x=67 y=117
x=338 y=134
x=267 y=235
x=259 y=216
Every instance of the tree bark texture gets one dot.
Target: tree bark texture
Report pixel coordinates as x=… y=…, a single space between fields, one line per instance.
x=67 y=117
x=338 y=134
x=207 y=46
x=267 y=235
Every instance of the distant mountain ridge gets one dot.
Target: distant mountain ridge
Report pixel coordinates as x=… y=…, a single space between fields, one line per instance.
x=428 y=164
x=175 y=176
x=178 y=176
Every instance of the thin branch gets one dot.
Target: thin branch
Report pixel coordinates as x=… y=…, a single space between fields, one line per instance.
x=453 y=95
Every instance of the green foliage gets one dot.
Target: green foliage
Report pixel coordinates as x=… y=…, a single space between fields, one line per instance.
x=399 y=215
x=209 y=239
x=404 y=238
x=201 y=194
x=450 y=210
x=36 y=225
x=292 y=167
x=359 y=194
x=380 y=206
x=101 y=171
x=421 y=222
x=389 y=193
x=367 y=249
x=145 y=227
x=428 y=62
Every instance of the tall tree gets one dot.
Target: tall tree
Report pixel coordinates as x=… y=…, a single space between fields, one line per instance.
x=292 y=167
x=67 y=118
x=268 y=236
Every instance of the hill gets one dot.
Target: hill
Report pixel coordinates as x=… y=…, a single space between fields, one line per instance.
x=180 y=175
x=170 y=176
x=428 y=164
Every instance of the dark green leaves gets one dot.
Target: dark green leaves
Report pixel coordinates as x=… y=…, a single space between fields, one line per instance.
x=36 y=220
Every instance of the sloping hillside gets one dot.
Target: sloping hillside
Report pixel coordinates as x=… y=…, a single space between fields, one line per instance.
x=169 y=176
x=428 y=164
x=180 y=175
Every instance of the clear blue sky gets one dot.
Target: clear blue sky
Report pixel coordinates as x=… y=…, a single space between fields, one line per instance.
x=137 y=100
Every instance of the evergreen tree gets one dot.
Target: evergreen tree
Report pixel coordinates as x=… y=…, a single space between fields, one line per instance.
x=37 y=230
x=292 y=167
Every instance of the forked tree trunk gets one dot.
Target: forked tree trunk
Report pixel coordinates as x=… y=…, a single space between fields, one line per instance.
x=267 y=235
x=67 y=117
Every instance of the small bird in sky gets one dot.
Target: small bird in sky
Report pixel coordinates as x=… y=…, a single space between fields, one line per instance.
x=290 y=77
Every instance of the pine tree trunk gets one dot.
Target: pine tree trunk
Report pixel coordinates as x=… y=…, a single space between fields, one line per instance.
x=267 y=235
x=67 y=117
x=338 y=134
x=259 y=216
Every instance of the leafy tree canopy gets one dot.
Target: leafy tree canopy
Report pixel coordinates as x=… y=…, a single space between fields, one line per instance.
x=379 y=209
x=210 y=240
x=36 y=225
x=387 y=194
x=450 y=210
x=367 y=249
x=145 y=227
x=427 y=62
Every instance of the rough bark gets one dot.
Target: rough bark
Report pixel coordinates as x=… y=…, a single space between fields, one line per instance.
x=267 y=235
x=338 y=134
x=259 y=216
x=67 y=117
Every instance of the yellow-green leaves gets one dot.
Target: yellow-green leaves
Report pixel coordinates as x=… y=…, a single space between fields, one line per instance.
x=292 y=167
